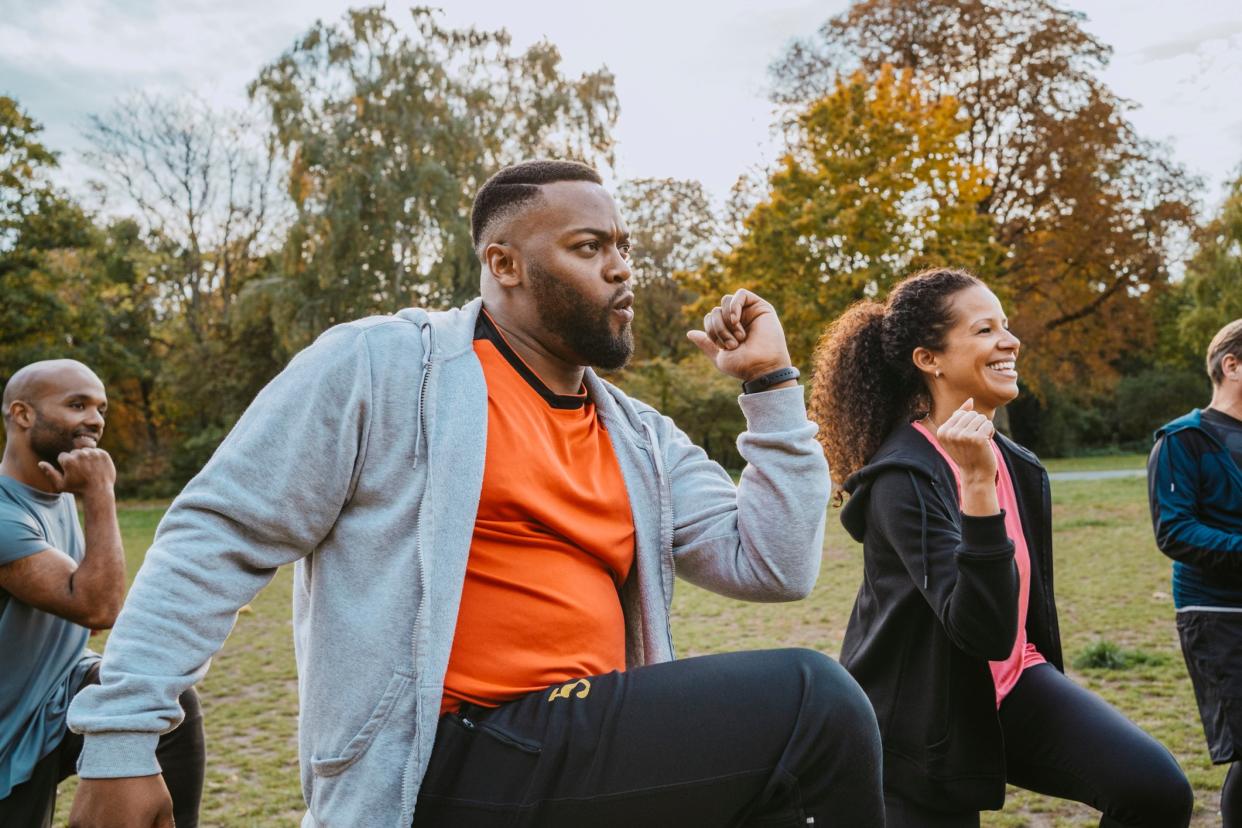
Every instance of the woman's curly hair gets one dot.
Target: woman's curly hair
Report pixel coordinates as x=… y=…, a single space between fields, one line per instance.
x=865 y=378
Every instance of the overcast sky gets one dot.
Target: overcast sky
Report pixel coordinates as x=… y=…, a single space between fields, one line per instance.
x=692 y=76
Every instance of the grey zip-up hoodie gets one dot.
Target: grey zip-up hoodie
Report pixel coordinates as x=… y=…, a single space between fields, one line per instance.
x=362 y=463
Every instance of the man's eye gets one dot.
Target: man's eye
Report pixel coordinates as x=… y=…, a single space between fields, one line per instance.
x=625 y=250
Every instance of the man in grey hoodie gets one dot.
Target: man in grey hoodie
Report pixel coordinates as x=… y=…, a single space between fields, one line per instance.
x=485 y=537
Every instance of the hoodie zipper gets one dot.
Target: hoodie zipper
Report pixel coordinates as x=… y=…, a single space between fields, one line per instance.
x=666 y=551
x=922 y=524
x=426 y=336
x=422 y=427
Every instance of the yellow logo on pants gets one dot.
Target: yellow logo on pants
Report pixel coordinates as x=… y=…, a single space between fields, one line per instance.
x=565 y=690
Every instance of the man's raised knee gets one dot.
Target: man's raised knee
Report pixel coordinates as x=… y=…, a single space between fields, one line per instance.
x=832 y=691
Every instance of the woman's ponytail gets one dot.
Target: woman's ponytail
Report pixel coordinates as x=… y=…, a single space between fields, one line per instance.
x=851 y=395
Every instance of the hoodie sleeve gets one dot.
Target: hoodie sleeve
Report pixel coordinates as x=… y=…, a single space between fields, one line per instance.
x=763 y=539
x=269 y=495
x=1174 y=489
x=967 y=575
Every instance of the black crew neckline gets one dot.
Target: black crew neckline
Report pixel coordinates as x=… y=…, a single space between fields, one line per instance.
x=485 y=328
x=1221 y=417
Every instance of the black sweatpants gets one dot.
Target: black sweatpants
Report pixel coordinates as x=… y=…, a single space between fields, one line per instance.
x=181 y=753
x=769 y=738
x=1067 y=742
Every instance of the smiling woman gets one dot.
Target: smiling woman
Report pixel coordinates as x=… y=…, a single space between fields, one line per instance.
x=954 y=633
x=866 y=378
x=977 y=362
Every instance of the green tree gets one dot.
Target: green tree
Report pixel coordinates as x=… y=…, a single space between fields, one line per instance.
x=34 y=220
x=24 y=163
x=1213 y=286
x=203 y=191
x=674 y=231
x=871 y=186
x=74 y=289
x=202 y=185
x=389 y=135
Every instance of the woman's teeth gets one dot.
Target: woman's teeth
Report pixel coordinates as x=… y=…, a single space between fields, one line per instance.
x=1006 y=366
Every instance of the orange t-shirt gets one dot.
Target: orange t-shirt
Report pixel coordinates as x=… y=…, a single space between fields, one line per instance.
x=553 y=542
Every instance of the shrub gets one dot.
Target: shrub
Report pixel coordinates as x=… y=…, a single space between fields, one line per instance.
x=1105 y=655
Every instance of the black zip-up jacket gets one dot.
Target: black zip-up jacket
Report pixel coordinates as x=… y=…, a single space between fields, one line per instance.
x=939 y=599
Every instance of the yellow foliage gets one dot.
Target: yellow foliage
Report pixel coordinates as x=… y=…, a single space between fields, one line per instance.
x=873 y=185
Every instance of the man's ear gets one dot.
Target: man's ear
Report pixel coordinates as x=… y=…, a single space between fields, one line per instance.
x=1231 y=366
x=502 y=262
x=21 y=413
x=926 y=361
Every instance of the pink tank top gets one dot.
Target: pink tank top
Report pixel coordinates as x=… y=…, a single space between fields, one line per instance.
x=1005 y=674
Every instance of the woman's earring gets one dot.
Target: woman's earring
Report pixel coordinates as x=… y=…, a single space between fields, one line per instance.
x=937 y=373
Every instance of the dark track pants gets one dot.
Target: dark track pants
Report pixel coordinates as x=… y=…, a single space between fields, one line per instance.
x=770 y=738
x=181 y=753
x=1067 y=742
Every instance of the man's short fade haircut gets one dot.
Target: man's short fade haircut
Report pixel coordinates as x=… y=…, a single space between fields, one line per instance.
x=1227 y=342
x=515 y=185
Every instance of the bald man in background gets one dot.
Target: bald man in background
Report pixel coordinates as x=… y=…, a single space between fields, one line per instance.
x=58 y=583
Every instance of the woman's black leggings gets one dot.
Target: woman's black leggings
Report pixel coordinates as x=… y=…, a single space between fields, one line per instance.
x=1231 y=798
x=1067 y=742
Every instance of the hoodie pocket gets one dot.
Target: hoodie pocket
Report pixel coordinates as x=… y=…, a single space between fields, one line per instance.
x=333 y=765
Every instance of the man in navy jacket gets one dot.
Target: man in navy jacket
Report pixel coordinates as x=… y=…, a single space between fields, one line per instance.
x=1194 y=479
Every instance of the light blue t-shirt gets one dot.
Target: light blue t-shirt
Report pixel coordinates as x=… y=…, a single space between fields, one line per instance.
x=43 y=657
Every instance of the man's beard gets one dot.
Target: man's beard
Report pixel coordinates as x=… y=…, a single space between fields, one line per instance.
x=583 y=326
x=48 y=440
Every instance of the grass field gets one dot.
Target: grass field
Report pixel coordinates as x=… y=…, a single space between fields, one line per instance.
x=1112 y=585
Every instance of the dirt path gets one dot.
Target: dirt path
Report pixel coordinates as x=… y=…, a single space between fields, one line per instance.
x=1097 y=475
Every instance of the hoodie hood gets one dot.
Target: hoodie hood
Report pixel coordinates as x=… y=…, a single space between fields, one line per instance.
x=908 y=450
x=904 y=448
x=452 y=336
x=1191 y=420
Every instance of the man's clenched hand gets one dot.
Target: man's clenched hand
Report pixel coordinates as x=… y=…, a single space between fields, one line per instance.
x=129 y=802
x=81 y=471
x=743 y=337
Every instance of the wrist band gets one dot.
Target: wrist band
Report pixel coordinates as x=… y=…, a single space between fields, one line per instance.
x=769 y=379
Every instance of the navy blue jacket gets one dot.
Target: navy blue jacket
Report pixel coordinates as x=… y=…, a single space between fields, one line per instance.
x=1195 y=491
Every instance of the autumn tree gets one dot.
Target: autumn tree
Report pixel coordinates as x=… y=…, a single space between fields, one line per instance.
x=872 y=185
x=389 y=134
x=1085 y=210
